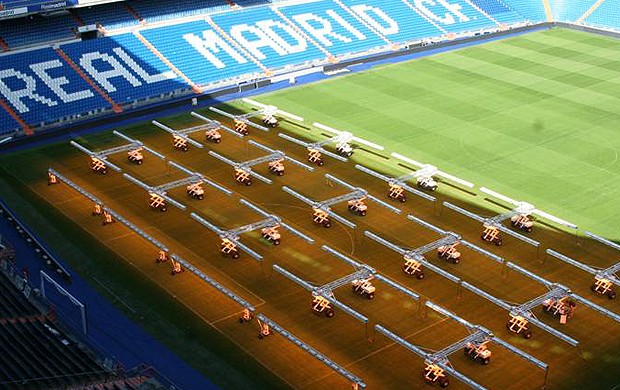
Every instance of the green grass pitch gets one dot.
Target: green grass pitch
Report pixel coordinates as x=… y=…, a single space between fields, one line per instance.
x=534 y=117
x=531 y=117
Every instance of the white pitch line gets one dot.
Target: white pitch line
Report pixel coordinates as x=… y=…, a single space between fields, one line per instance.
x=374 y=352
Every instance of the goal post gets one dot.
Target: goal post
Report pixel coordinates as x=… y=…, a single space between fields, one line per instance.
x=61 y=290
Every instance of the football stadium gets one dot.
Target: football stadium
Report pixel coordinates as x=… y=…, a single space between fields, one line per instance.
x=309 y=194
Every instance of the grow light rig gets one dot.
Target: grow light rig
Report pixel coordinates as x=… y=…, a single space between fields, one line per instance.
x=342 y=139
x=275 y=160
x=604 y=279
x=493 y=226
x=193 y=183
x=521 y=315
x=355 y=199
x=520 y=218
x=267 y=112
x=99 y=160
x=561 y=301
x=109 y=216
x=475 y=347
x=269 y=228
x=180 y=138
x=398 y=185
x=445 y=246
x=425 y=174
x=323 y=296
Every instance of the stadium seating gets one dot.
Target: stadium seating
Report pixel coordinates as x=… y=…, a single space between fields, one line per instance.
x=349 y=35
x=33 y=30
x=569 y=11
x=462 y=17
x=154 y=11
x=195 y=63
x=412 y=25
x=532 y=10
x=499 y=11
x=34 y=353
x=124 y=68
x=291 y=49
x=8 y=125
x=111 y=16
x=43 y=88
x=607 y=15
x=224 y=48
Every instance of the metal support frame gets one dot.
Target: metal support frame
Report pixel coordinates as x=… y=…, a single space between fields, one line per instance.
x=356 y=381
x=100 y=158
x=185 y=264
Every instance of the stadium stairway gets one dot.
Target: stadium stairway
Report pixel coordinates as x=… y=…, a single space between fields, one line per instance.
x=569 y=11
x=171 y=59
x=267 y=57
x=590 y=11
x=166 y=61
x=234 y=43
x=134 y=13
x=115 y=107
x=78 y=20
x=350 y=37
x=3 y=45
x=168 y=39
x=10 y=121
x=330 y=57
x=606 y=15
x=371 y=24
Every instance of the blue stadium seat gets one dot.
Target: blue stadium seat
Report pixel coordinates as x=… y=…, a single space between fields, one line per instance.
x=532 y=10
x=170 y=41
x=42 y=88
x=251 y=3
x=293 y=49
x=499 y=11
x=112 y=16
x=332 y=27
x=412 y=26
x=158 y=10
x=124 y=68
x=32 y=30
x=8 y=125
x=569 y=11
x=463 y=17
x=606 y=15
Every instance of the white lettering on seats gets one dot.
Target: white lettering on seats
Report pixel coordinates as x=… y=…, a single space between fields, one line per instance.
x=320 y=33
x=211 y=43
x=15 y=96
x=268 y=25
x=447 y=18
x=254 y=45
x=56 y=83
x=149 y=78
x=340 y=20
x=102 y=77
x=363 y=10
